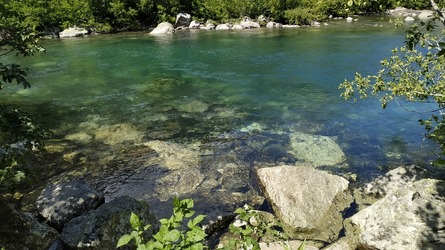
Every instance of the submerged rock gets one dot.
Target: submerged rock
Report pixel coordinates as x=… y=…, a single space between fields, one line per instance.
x=23 y=231
x=175 y=155
x=79 y=137
x=410 y=217
x=118 y=133
x=59 y=203
x=316 y=149
x=101 y=228
x=194 y=106
x=308 y=201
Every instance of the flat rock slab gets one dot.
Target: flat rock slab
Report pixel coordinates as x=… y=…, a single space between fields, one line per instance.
x=411 y=217
x=316 y=150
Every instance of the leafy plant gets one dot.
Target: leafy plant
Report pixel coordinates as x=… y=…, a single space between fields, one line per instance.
x=250 y=227
x=172 y=233
x=21 y=135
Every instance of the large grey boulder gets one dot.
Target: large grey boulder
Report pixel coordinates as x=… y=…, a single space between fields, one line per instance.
x=317 y=150
x=23 y=231
x=59 y=203
x=410 y=217
x=397 y=178
x=102 y=228
x=73 y=32
x=163 y=28
x=183 y=20
x=308 y=201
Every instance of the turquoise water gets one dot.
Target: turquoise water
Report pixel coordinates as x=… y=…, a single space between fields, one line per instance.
x=200 y=86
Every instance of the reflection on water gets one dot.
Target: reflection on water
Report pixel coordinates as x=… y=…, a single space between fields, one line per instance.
x=236 y=96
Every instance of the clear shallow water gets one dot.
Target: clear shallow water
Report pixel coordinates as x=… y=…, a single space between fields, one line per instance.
x=202 y=85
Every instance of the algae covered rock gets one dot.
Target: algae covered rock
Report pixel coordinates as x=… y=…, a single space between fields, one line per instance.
x=118 y=133
x=316 y=149
x=23 y=231
x=102 y=228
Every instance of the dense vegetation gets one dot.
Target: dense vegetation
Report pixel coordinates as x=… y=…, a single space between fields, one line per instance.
x=116 y=15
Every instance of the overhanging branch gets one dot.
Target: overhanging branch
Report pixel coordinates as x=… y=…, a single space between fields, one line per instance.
x=438 y=11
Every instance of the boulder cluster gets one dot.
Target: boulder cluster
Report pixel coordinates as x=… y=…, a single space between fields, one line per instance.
x=184 y=21
x=403 y=209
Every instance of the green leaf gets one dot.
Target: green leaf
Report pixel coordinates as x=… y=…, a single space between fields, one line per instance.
x=196 y=235
x=198 y=219
x=302 y=246
x=240 y=211
x=164 y=221
x=124 y=240
x=135 y=222
x=172 y=236
x=197 y=246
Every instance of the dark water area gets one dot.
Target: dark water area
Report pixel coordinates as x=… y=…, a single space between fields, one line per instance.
x=235 y=98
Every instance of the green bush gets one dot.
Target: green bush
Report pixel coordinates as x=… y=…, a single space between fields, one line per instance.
x=303 y=16
x=249 y=228
x=171 y=234
x=21 y=135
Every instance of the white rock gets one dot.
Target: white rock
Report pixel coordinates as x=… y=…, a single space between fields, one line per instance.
x=290 y=26
x=250 y=24
x=163 y=28
x=426 y=15
x=349 y=19
x=223 y=26
x=194 y=25
x=237 y=27
x=73 y=32
x=409 y=19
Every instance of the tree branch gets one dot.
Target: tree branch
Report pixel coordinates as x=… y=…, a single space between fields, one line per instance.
x=438 y=11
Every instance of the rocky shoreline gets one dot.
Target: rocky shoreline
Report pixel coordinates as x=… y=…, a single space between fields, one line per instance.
x=403 y=209
x=185 y=21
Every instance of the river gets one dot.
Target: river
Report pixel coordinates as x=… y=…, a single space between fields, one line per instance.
x=227 y=101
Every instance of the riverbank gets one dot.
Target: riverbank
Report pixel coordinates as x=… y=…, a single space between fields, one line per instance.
x=185 y=21
x=151 y=118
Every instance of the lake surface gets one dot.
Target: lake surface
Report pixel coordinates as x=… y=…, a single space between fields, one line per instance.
x=251 y=88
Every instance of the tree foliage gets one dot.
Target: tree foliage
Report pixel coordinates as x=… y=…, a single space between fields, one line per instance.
x=19 y=134
x=415 y=72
